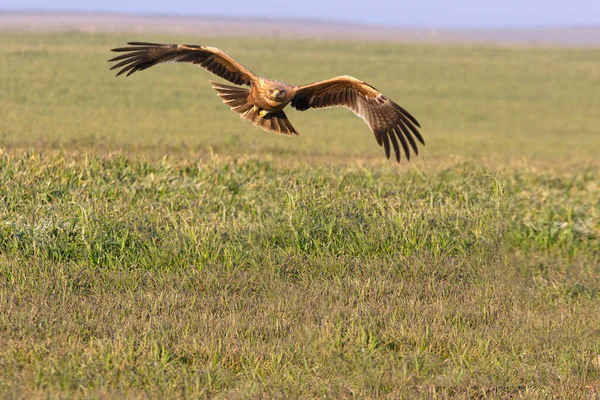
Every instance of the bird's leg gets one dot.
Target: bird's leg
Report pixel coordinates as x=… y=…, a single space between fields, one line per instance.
x=259 y=111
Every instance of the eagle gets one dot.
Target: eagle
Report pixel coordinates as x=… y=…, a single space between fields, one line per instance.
x=263 y=102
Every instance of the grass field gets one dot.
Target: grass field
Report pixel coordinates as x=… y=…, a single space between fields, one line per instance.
x=152 y=244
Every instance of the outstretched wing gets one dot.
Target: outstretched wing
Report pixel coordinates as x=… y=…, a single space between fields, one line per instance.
x=387 y=120
x=141 y=55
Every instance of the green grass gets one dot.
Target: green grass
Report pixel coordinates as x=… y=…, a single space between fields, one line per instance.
x=152 y=244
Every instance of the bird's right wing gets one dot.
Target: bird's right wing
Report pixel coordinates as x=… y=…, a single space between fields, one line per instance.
x=141 y=55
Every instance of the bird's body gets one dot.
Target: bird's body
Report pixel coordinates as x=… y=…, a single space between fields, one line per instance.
x=265 y=99
x=270 y=95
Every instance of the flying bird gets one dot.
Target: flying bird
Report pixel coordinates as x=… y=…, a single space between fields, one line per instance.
x=263 y=103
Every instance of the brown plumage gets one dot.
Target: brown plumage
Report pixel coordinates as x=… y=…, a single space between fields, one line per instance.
x=263 y=103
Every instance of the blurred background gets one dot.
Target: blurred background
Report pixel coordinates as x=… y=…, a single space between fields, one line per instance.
x=426 y=13
x=500 y=79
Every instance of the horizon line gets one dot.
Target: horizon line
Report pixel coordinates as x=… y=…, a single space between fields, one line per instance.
x=316 y=20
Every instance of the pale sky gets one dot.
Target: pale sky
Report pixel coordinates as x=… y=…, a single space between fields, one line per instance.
x=423 y=13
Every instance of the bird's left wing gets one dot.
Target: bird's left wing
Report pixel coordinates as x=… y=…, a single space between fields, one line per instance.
x=141 y=55
x=387 y=120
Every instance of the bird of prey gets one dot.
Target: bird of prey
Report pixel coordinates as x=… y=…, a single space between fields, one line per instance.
x=263 y=103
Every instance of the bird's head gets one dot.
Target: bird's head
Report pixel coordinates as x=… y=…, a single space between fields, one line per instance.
x=277 y=93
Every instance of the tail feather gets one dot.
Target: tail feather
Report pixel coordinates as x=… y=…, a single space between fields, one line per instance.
x=237 y=99
x=241 y=109
x=233 y=103
x=277 y=122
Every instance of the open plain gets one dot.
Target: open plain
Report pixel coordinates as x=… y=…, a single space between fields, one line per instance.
x=152 y=244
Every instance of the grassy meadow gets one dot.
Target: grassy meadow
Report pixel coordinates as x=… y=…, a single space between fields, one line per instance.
x=153 y=244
